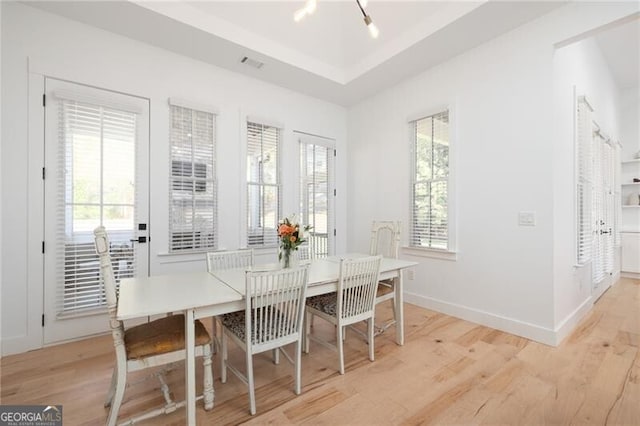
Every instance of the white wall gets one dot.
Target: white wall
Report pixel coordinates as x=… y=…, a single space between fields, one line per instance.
x=630 y=122
x=630 y=139
x=501 y=94
x=39 y=42
x=582 y=68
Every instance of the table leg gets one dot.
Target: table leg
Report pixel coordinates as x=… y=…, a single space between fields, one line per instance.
x=399 y=309
x=190 y=366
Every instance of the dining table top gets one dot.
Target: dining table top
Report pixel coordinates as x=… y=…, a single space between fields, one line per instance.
x=159 y=294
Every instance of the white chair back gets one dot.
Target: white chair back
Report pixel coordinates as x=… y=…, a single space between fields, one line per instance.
x=231 y=259
x=305 y=252
x=276 y=306
x=385 y=239
x=357 y=288
x=101 y=242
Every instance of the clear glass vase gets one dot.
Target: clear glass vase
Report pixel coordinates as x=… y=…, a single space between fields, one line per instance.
x=288 y=258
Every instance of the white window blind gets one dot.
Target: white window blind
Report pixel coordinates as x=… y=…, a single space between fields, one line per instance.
x=263 y=184
x=430 y=155
x=97 y=154
x=315 y=195
x=584 y=181
x=192 y=187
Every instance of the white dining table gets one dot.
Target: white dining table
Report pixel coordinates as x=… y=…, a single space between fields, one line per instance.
x=202 y=294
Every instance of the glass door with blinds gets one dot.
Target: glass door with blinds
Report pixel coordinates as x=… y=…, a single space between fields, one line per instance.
x=603 y=212
x=96 y=165
x=317 y=192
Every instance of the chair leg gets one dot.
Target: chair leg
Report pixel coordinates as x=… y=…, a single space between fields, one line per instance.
x=215 y=338
x=340 y=345
x=223 y=358
x=121 y=383
x=208 y=377
x=112 y=387
x=250 y=382
x=393 y=309
x=298 y=384
x=370 y=329
x=307 y=332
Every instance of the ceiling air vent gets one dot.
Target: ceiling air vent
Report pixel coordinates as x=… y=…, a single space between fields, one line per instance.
x=252 y=62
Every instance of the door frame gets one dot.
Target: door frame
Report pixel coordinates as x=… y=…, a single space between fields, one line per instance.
x=34 y=337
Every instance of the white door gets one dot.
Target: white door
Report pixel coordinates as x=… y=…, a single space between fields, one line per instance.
x=603 y=215
x=96 y=173
x=317 y=192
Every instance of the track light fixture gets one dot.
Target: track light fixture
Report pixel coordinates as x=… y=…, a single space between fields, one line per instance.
x=373 y=30
x=310 y=7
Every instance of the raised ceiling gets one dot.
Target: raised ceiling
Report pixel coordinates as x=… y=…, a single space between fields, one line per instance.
x=328 y=55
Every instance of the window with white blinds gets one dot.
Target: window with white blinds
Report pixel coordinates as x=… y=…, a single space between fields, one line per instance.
x=97 y=154
x=192 y=187
x=263 y=184
x=429 y=187
x=584 y=182
x=315 y=195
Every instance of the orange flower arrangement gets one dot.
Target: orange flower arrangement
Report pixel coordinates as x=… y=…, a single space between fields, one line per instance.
x=291 y=235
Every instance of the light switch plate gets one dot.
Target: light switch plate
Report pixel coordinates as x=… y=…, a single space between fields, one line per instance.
x=527 y=218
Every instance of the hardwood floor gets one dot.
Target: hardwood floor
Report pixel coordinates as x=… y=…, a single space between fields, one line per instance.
x=449 y=372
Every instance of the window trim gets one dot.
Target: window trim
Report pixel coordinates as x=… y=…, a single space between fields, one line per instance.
x=451 y=252
x=244 y=228
x=329 y=144
x=213 y=180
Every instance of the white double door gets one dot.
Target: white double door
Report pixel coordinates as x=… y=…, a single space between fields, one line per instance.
x=96 y=173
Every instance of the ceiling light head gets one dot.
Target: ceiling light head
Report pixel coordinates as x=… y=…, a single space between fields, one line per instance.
x=311 y=6
x=299 y=14
x=373 y=30
x=308 y=9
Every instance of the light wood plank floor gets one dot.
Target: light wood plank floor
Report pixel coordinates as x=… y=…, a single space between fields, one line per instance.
x=449 y=372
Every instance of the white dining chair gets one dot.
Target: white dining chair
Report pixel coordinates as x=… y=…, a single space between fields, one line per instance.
x=305 y=252
x=385 y=241
x=352 y=303
x=152 y=344
x=273 y=318
x=229 y=259
x=223 y=260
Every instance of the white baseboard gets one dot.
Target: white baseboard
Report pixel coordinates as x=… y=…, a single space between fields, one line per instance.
x=571 y=321
x=633 y=275
x=509 y=325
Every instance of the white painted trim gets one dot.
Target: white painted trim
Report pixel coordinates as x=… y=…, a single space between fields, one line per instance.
x=431 y=253
x=79 y=96
x=509 y=325
x=632 y=275
x=429 y=112
x=264 y=121
x=193 y=105
x=35 y=215
x=308 y=138
x=567 y=325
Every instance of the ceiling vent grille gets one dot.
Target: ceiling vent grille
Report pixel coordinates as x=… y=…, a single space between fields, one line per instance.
x=252 y=62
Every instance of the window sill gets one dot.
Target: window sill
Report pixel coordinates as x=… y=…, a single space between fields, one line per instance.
x=187 y=256
x=431 y=253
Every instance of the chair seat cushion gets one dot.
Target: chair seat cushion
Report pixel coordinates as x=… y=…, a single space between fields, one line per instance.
x=235 y=322
x=161 y=336
x=326 y=303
